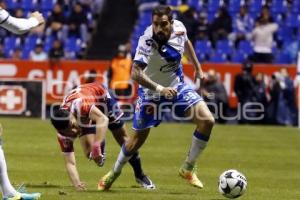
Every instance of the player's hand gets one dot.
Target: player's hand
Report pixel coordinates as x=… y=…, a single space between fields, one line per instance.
x=199 y=77
x=169 y=93
x=97 y=155
x=80 y=186
x=100 y=160
x=38 y=16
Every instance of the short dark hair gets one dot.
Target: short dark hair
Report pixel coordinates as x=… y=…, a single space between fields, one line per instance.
x=163 y=10
x=60 y=118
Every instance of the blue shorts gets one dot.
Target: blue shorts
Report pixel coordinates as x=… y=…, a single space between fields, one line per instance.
x=149 y=112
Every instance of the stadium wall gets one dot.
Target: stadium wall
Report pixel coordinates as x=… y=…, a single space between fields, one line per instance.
x=61 y=77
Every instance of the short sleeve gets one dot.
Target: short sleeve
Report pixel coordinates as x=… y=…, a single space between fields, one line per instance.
x=143 y=50
x=66 y=144
x=180 y=30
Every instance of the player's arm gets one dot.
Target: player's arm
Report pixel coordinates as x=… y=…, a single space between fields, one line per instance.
x=70 y=164
x=67 y=148
x=138 y=75
x=101 y=121
x=141 y=78
x=190 y=52
x=20 y=25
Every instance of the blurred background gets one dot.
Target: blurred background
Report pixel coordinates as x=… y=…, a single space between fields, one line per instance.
x=248 y=49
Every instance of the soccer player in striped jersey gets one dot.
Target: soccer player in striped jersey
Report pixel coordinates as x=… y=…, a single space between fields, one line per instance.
x=86 y=112
x=158 y=70
x=17 y=26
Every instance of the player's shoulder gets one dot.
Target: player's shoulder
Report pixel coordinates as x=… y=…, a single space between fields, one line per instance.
x=179 y=28
x=146 y=40
x=147 y=35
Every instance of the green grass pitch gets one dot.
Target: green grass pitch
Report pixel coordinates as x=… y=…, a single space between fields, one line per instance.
x=268 y=156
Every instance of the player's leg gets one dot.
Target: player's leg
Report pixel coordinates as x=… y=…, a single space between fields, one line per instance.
x=6 y=187
x=120 y=134
x=128 y=149
x=144 y=119
x=8 y=191
x=204 y=121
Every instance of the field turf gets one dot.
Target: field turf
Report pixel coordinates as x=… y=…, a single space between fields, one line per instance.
x=268 y=156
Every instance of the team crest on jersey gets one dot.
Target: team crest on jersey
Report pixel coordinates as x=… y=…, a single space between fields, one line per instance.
x=149 y=110
x=149 y=42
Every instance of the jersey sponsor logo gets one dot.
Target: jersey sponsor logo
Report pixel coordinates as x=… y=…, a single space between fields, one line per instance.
x=12 y=99
x=145 y=50
x=142 y=53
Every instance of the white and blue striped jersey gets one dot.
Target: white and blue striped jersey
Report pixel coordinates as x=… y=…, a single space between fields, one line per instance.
x=163 y=64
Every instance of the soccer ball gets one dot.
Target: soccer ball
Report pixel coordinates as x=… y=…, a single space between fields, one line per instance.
x=232 y=184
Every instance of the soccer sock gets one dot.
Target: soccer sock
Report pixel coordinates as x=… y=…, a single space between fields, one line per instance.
x=123 y=157
x=199 y=142
x=6 y=187
x=135 y=162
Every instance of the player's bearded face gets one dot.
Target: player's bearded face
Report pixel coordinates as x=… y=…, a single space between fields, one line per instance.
x=162 y=28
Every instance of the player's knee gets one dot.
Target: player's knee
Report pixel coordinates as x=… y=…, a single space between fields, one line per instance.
x=208 y=122
x=134 y=143
x=130 y=145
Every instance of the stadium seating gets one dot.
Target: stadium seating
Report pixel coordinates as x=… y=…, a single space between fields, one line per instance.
x=204 y=46
x=238 y=57
x=245 y=47
x=30 y=42
x=278 y=7
x=196 y=4
x=286 y=15
x=12 y=4
x=29 y=5
x=234 y=6
x=203 y=49
x=72 y=45
x=255 y=6
x=47 y=5
x=218 y=57
x=224 y=47
x=282 y=58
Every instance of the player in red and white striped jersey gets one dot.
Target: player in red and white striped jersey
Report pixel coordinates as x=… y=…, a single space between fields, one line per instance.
x=87 y=112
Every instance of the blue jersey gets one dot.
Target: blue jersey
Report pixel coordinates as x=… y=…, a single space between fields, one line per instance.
x=163 y=64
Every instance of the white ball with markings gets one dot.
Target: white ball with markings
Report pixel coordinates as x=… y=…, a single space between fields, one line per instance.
x=232 y=184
